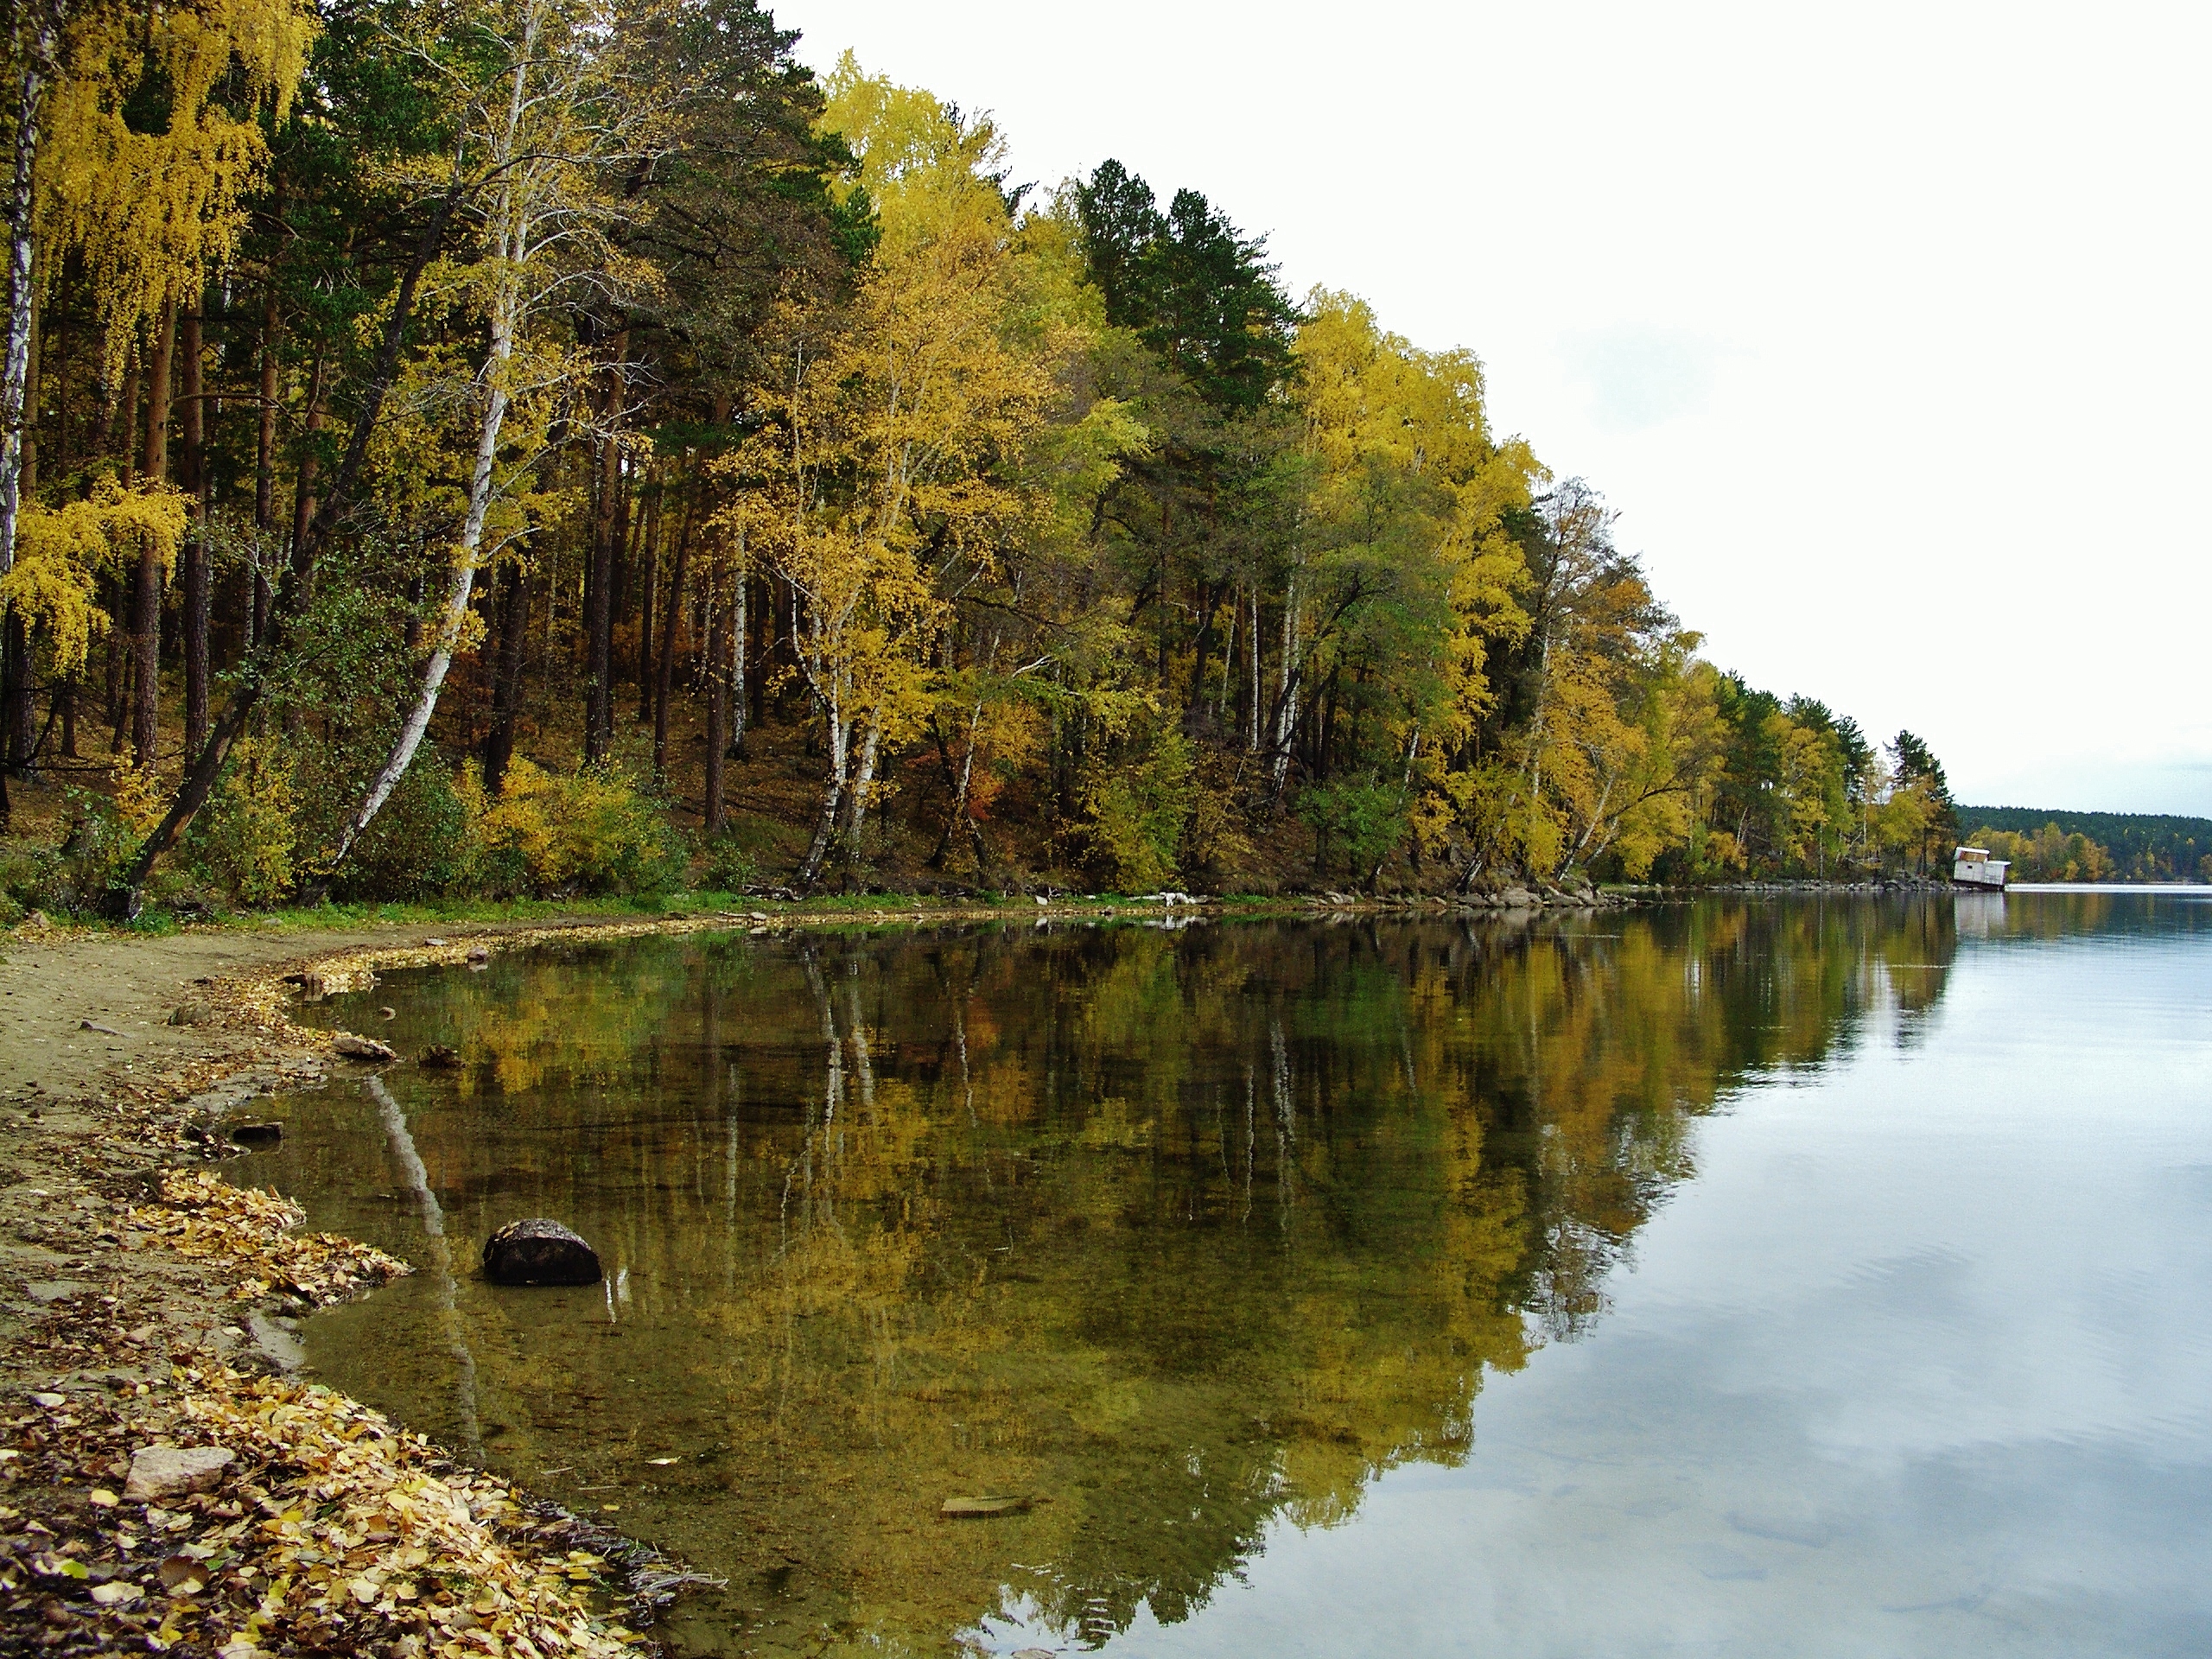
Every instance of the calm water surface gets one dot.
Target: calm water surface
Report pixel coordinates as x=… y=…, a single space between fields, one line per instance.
x=1788 y=1278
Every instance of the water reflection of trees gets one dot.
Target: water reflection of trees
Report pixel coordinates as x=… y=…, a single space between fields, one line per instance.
x=1179 y=1232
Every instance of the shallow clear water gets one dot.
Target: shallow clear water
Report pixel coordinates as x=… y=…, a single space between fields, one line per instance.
x=1792 y=1277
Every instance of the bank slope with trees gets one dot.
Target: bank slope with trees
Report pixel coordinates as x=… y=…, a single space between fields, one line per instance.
x=547 y=445
x=2138 y=847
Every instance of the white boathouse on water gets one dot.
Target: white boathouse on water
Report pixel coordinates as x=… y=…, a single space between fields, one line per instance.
x=1975 y=868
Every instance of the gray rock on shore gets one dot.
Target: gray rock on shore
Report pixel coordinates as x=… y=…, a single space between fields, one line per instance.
x=363 y=1048
x=165 y=1472
x=540 y=1251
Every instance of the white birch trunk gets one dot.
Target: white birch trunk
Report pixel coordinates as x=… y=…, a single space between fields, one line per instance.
x=455 y=609
x=511 y=243
x=738 y=705
x=38 y=34
x=863 y=783
x=1286 y=710
x=960 y=819
x=1252 y=668
x=829 y=687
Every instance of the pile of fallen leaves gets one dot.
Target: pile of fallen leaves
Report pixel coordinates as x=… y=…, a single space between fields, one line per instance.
x=332 y=1532
x=249 y=1232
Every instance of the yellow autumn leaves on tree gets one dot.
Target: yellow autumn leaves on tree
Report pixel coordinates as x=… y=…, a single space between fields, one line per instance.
x=153 y=205
x=62 y=554
x=885 y=473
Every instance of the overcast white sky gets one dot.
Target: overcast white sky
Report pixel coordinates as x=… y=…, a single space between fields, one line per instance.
x=1885 y=327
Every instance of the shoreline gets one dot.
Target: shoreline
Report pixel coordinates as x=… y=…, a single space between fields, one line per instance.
x=124 y=1053
x=145 y=1301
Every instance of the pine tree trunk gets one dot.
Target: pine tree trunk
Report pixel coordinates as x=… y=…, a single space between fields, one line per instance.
x=18 y=701
x=664 y=668
x=599 y=596
x=599 y=611
x=648 y=602
x=305 y=501
x=507 y=678
x=194 y=478
x=264 y=465
x=620 y=579
x=146 y=592
x=115 y=658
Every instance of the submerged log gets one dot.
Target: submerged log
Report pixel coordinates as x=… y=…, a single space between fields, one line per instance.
x=539 y=1252
x=981 y=1508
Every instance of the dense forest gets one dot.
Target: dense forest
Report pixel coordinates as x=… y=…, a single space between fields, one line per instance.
x=503 y=446
x=2094 y=846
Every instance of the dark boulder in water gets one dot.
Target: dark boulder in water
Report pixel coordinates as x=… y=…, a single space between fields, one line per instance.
x=539 y=1252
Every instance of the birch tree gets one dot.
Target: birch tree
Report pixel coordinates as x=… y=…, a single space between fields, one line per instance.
x=540 y=139
x=885 y=465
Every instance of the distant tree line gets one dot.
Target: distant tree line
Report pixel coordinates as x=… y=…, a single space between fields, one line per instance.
x=2094 y=846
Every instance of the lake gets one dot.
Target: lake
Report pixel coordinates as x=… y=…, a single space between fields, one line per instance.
x=1787 y=1277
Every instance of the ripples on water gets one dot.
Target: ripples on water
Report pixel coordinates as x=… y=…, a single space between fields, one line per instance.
x=1775 y=1278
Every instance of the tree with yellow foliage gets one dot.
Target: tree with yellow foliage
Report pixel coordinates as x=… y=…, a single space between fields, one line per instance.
x=137 y=139
x=884 y=473
x=545 y=119
x=1399 y=574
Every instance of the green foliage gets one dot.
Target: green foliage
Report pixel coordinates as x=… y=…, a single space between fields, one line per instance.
x=726 y=865
x=104 y=830
x=1356 y=824
x=1134 y=810
x=244 y=842
x=1217 y=845
x=420 y=846
x=1505 y=829
x=547 y=835
x=589 y=831
x=1199 y=293
x=13 y=884
x=101 y=836
x=26 y=876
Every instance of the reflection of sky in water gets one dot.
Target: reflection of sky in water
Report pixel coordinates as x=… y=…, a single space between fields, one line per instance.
x=1916 y=1364
x=1199 y=1236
